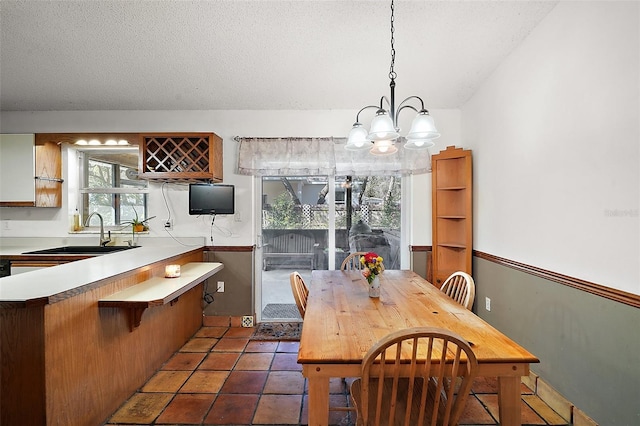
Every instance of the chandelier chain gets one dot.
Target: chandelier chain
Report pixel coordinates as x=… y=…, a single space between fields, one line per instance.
x=392 y=73
x=384 y=131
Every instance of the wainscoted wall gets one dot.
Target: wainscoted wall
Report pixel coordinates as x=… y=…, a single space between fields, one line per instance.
x=238 y=272
x=586 y=342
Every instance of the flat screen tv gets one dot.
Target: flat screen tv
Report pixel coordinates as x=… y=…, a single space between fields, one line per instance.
x=211 y=198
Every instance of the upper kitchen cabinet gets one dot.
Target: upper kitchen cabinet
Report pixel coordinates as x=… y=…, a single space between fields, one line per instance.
x=181 y=156
x=30 y=171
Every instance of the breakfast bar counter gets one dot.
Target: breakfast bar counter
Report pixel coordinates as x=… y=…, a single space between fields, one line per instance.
x=49 y=285
x=69 y=353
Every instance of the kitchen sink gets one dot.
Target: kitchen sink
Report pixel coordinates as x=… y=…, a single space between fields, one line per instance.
x=91 y=250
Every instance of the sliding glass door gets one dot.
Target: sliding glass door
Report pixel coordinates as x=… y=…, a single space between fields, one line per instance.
x=368 y=217
x=314 y=222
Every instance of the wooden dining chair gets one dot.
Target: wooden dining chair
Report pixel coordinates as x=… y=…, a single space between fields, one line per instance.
x=352 y=262
x=300 y=292
x=415 y=376
x=461 y=288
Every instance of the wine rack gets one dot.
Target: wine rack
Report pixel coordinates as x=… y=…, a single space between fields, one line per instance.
x=181 y=156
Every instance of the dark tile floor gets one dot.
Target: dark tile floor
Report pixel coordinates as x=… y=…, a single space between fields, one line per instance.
x=221 y=377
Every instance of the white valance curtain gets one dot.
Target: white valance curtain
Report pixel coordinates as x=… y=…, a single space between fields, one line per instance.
x=323 y=156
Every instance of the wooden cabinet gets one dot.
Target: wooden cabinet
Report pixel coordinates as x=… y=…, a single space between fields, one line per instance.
x=30 y=171
x=48 y=173
x=181 y=156
x=17 y=169
x=452 y=213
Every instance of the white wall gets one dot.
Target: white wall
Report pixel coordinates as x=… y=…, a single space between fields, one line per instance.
x=227 y=124
x=555 y=134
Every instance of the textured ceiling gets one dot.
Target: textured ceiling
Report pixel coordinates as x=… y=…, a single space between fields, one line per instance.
x=291 y=55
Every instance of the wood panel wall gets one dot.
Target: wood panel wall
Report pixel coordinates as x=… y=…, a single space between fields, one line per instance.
x=22 y=371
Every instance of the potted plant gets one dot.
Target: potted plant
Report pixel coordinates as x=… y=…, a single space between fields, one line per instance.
x=138 y=225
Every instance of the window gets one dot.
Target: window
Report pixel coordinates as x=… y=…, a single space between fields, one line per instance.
x=109 y=185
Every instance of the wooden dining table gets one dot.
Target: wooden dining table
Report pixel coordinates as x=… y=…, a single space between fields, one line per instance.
x=342 y=322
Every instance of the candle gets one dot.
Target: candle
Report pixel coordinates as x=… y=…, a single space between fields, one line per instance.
x=172 y=271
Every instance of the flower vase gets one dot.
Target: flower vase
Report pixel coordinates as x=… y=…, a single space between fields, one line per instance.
x=374 y=287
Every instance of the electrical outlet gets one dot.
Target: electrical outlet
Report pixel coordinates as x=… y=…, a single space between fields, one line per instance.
x=487 y=304
x=220 y=288
x=168 y=225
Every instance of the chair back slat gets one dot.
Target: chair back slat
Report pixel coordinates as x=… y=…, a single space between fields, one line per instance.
x=461 y=288
x=411 y=378
x=352 y=262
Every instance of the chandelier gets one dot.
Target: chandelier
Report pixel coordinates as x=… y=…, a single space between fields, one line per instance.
x=384 y=131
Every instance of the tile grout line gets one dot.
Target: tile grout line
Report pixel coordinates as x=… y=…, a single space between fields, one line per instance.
x=485 y=407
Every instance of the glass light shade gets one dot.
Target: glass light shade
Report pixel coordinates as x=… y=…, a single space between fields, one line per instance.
x=111 y=142
x=385 y=147
x=423 y=127
x=382 y=128
x=123 y=142
x=81 y=142
x=419 y=143
x=357 y=138
x=94 y=142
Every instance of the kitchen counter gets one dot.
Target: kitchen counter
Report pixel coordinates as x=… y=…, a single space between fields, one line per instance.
x=76 y=339
x=49 y=285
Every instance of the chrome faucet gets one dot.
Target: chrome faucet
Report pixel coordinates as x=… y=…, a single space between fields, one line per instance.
x=103 y=240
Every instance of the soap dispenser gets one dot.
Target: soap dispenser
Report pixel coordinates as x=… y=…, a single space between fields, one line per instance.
x=76 y=220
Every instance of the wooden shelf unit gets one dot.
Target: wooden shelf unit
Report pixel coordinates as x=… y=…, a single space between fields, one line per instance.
x=452 y=219
x=181 y=156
